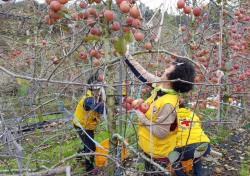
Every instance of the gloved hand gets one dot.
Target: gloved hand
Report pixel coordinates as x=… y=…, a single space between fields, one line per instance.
x=128 y=51
x=127 y=54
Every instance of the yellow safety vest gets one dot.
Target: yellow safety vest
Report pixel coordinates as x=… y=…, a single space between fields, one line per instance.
x=87 y=119
x=150 y=144
x=197 y=135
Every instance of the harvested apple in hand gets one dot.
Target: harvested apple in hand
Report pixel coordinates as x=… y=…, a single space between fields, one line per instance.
x=127 y=102
x=137 y=102
x=144 y=107
x=127 y=105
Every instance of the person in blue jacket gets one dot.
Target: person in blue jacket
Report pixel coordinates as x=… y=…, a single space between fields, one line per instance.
x=89 y=109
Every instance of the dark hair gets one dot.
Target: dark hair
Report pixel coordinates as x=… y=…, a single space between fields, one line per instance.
x=184 y=70
x=182 y=105
x=92 y=80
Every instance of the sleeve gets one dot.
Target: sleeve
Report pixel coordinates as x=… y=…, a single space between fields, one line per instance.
x=141 y=73
x=164 y=120
x=89 y=104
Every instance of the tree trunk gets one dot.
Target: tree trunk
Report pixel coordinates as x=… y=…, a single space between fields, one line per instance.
x=110 y=92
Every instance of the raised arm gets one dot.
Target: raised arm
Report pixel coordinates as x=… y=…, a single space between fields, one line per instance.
x=141 y=73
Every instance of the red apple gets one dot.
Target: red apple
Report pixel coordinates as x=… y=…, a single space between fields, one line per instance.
x=83 y=55
x=138 y=36
x=52 y=58
x=125 y=28
x=143 y=91
x=109 y=15
x=118 y=2
x=135 y=103
x=144 y=107
x=82 y=4
x=129 y=99
x=56 y=61
x=197 y=11
x=55 y=6
x=187 y=9
x=125 y=7
x=115 y=26
x=136 y=23
x=134 y=12
x=180 y=4
x=236 y=66
x=129 y=20
x=44 y=42
x=127 y=106
x=63 y=1
x=96 y=62
x=100 y=78
x=183 y=28
x=148 y=89
x=94 y=53
x=148 y=46
x=140 y=100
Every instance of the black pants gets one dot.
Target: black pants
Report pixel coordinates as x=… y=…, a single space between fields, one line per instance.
x=89 y=146
x=153 y=170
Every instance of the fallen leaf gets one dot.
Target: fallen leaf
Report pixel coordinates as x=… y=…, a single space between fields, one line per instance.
x=212 y=159
x=238 y=151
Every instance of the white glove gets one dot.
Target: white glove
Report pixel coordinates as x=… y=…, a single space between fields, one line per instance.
x=128 y=51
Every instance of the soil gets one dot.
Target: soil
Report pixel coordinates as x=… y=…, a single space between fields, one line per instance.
x=235 y=150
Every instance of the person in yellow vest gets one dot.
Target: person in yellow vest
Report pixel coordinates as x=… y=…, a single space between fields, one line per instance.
x=158 y=126
x=89 y=109
x=125 y=87
x=189 y=137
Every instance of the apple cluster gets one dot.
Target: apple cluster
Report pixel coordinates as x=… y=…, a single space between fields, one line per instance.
x=129 y=103
x=89 y=14
x=187 y=9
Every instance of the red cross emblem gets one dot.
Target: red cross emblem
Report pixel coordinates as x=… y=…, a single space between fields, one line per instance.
x=185 y=122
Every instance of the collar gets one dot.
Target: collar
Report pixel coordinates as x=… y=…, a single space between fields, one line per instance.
x=159 y=87
x=89 y=93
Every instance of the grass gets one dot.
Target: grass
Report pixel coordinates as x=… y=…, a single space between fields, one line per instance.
x=48 y=117
x=245 y=164
x=50 y=145
x=218 y=135
x=59 y=147
x=216 y=132
x=17 y=105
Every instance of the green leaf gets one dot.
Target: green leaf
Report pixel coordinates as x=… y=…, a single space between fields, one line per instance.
x=224 y=69
x=89 y=38
x=23 y=89
x=120 y=46
x=218 y=1
x=64 y=14
x=24 y=38
x=65 y=28
x=91 y=1
x=61 y=13
x=82 y=10
x=173 y=156
x=129 y=36
x=67 y=16
x=200 y=150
